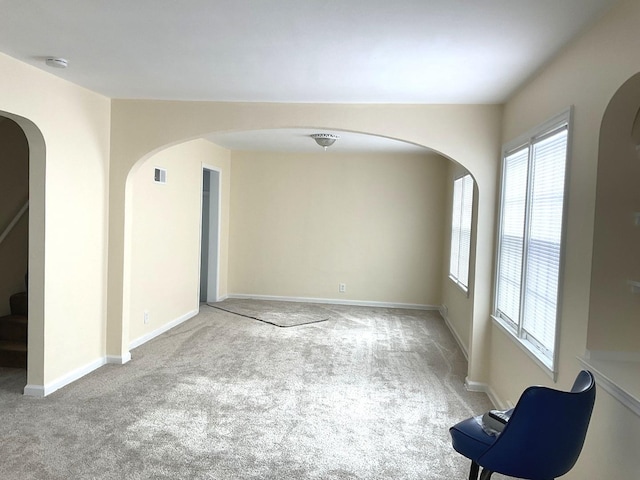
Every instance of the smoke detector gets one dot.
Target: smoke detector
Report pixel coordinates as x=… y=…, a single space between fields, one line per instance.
x=57 y=62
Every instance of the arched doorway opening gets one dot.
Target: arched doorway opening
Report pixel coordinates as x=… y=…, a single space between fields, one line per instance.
x=14 y=244
x=322 y=233
x=25 y=238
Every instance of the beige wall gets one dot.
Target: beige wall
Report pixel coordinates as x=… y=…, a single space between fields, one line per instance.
x=14 y=185
x=303 y=223
x=165 y=235
x=68 y=132
x=586 y=74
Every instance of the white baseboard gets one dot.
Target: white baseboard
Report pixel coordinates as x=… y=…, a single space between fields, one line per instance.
x=159 y=331
x=44 y=390
x=119 y=359
x=443 y=313
x=335 y=301
x=49 y=388
x=34 y=390
x=484 y=388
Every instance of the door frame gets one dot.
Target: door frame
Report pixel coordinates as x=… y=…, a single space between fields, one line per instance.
x=217 y=232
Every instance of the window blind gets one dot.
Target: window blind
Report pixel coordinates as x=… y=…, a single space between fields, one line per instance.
x=544 y=238
x=462 y=213
x=511 y=239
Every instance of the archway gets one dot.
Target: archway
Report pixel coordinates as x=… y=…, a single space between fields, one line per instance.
x=36 y=248
x=468 y=134
x=133 y=314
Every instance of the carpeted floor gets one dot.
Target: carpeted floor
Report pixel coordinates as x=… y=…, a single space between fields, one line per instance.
x=368 y=394
x=277 y=313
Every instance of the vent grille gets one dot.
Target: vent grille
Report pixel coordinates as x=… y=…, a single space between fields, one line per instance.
x=160 y=175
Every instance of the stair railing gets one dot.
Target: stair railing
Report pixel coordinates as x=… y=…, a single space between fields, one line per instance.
x=13 y=222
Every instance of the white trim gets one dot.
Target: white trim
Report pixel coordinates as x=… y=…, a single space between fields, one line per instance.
x=34 y=391
x=565 y=115
x=331 y=301
x=460 y=286
x=119 y=359
x=443 y=312
x=608 y=382
x=63 y=381
x=472 y=386
x=522 y=141
x=219 y=228
x=159 y=331
x=44 y=390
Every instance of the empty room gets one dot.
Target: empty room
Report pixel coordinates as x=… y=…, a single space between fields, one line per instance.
x=305 y=239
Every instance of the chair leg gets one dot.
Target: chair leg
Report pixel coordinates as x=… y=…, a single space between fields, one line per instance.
x=473 y=473
x=486 y=474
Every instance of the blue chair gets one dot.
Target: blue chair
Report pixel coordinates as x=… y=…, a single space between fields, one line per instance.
x=542 y=439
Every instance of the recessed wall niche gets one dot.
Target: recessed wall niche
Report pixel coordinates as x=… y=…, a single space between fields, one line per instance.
x=614 y=307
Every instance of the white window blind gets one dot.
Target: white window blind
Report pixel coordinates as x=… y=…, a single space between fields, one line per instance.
x=530 y=239
x=461 y=230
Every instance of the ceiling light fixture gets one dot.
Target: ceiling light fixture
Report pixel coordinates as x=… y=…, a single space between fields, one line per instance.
x=57 y=62
x=325 y=140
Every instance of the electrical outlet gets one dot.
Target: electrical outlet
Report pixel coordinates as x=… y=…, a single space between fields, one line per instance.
x=342 y=287
x=145 y=317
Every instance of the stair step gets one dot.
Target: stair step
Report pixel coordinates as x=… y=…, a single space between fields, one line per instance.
x=10 y=346
x=19 y=304
x=14 y=328
x=13 y=354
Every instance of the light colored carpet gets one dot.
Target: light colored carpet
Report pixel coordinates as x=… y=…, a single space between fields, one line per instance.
x=277 y=313
x=368 y=394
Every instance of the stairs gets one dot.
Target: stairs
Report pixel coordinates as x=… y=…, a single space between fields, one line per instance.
x=13 y=333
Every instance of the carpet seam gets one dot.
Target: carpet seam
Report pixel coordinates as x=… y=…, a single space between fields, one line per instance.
x=267 y=321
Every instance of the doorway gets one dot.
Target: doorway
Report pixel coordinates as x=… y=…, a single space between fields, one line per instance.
x=210 y=240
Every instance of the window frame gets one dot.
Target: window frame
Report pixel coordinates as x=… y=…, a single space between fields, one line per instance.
x=459 y=211
x=548 y=363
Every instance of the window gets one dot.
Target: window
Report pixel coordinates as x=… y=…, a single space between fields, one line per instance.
x=461 y=231
x=530 y=238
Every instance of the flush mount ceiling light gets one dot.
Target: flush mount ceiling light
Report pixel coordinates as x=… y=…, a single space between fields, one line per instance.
x=57 y=62
x=325 y=139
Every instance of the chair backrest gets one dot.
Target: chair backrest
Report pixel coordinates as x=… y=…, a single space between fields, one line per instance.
x=546 y=432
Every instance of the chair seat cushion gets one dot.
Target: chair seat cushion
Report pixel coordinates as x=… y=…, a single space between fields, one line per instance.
x=469 y=439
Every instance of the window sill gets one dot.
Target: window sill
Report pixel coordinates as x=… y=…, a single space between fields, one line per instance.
x=617 y=373
x=528 y=348
x=460 y=286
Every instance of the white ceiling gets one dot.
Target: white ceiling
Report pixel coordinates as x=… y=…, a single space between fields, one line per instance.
x=299 y=140
x=329 y=51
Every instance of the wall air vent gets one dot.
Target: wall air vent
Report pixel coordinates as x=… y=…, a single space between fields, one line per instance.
x=160 y=175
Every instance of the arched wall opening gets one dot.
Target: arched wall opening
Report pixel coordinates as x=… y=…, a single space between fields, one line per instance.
x=36 y=247
x=615 y=274
x=469 y=134
x=303 y=231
